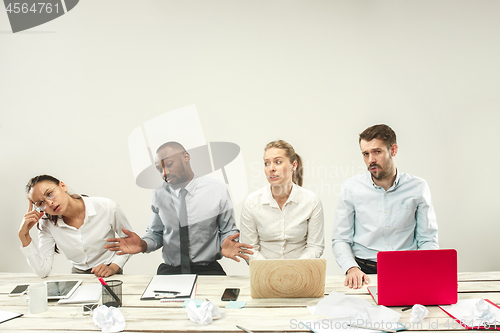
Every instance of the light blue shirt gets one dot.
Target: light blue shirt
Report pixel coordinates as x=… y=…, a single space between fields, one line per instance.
x=369 y=219
x=210 y=221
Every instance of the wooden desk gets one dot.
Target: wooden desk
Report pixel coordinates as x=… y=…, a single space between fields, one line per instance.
x=261 y=315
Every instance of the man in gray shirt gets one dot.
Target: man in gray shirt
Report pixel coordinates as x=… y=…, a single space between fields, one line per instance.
x=193 y=220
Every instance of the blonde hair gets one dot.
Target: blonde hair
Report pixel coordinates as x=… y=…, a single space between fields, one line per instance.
x=292 y=156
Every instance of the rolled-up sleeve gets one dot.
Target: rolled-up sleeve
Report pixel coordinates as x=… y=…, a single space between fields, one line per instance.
x=426 y=231
x=343 y=230
x=226 y=220
x=249 y=233
x=154 y=231
x=315 y=243
x=120 y=221
x=41 y=258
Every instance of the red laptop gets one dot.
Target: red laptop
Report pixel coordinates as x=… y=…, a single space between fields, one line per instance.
x=427 y=277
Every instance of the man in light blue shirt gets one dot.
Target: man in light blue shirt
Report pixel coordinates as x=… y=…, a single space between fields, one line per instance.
x=380 y=210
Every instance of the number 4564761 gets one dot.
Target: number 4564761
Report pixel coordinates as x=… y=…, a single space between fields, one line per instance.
x=39 y=7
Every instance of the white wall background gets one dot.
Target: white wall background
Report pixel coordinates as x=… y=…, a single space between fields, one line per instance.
x=315 y=73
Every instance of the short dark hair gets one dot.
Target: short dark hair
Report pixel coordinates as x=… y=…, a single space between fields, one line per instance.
x=173 y=145
x=382 y=132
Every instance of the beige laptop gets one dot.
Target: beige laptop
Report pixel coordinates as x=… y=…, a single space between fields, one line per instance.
x=287 y=278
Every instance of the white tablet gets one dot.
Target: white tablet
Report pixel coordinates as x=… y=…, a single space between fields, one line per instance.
x=61 y=289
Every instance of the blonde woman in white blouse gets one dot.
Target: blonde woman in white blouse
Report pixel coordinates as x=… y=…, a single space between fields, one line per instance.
x=283 y=220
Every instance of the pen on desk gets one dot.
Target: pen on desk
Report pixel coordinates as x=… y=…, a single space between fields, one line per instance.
x=244 y=329
x=166 y=292
x=111 y=292
x=406 y=309
x=372 y=328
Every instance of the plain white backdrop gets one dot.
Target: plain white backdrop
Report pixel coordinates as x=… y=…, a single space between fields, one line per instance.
x=314 y=73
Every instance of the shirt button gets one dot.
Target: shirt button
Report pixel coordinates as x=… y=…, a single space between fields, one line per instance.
x=386 y=228
x=386 y=243
x=386 y=211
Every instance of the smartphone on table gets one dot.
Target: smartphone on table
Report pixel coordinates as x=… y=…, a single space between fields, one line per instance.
x=18 y=290
x=230 y=294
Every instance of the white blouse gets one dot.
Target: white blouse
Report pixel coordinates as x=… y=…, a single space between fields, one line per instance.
x=84 y=247
x=294 y=232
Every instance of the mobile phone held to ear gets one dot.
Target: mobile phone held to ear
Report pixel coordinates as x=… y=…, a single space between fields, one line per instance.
x=18 y=290
x=230 y=294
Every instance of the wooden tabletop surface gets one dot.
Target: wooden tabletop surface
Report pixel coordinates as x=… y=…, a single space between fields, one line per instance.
x=259 y=315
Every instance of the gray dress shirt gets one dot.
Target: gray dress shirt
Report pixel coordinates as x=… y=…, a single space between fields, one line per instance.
x=210 y=221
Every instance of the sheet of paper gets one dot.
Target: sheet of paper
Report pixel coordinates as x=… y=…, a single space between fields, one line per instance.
x=462 y=311
x=182 y=283
x=6 y=315
x=340 y=306
x=193 y=296
x=88 y=293
x=342 y=313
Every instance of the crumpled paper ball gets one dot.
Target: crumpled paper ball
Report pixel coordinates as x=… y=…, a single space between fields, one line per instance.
x=481 y=310
x=418 y=312
x=204 y=314
x=109 y=319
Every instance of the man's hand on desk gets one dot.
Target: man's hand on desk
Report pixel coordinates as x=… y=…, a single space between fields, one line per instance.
x=355 y=278
x=233 y=249
x=126 y=245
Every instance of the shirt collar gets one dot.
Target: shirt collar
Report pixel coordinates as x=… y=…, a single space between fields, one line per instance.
x=294 y=195
x=190 y=187
x=396 y=181
x=267 y=197
x=89 y=207
x=89 y=211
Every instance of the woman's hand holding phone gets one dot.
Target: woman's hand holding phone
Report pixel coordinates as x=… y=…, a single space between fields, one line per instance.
x=31 y=218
